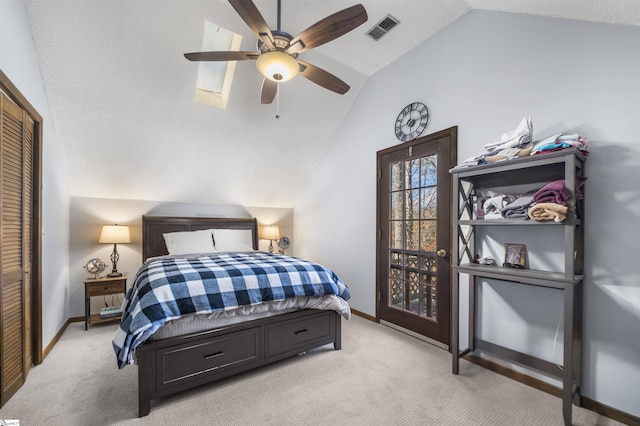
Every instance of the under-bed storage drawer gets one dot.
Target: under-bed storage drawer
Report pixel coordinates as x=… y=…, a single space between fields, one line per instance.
x=216 y=357
x=299 y=335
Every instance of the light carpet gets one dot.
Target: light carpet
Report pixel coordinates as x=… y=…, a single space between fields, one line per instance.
x=380 y=377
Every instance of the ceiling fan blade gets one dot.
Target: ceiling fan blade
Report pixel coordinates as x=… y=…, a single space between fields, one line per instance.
x=253 y=18
x=221 y=56
x=323 y=78
x=328 y=29
x=268 y=91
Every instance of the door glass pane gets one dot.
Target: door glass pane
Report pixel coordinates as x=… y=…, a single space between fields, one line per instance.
x=397 y=205
x=428 y=174
x=395 y=233
x=412 y=173
x=428 y=230
x=412 y=229
x=428 y=203
x=414 y=294
x=411 y=261
x=411 y=235
x=412 y=201
x=396 y=295
x=396 y=260
x=396 y=176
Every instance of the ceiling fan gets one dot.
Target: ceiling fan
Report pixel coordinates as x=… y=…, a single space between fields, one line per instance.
x=277 y=51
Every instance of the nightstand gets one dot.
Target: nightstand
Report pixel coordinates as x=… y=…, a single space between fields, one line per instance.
x=101 y=287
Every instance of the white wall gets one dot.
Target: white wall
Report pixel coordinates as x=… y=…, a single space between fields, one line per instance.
x=484 y=73
x=89 y=214
x=19 y=62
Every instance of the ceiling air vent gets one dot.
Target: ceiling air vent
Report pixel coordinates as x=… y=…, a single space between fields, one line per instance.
x=382 y=27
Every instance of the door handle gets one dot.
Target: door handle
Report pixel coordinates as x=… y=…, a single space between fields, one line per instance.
x=441 y=253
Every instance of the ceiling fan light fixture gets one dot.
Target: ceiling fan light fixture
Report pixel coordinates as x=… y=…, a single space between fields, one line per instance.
x=277 y=66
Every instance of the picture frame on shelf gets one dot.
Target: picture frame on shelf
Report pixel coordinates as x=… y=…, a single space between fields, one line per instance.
x=514 y=255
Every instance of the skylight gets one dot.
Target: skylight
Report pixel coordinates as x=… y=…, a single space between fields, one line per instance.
x=215 y=78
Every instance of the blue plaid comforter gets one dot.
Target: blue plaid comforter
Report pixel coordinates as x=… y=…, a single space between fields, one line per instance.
x=166 y=288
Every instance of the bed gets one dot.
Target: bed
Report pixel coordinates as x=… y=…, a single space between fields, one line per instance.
x=179 y=360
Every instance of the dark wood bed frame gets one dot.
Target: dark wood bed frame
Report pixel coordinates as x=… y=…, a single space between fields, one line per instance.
x=175 y=364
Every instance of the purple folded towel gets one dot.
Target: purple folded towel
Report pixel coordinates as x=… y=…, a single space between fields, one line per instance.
x=556 y=192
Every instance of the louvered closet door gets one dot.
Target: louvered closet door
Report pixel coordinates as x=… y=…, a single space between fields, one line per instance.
x=15 y=247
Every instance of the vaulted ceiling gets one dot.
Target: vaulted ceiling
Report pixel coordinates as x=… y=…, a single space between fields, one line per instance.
x=121 y=92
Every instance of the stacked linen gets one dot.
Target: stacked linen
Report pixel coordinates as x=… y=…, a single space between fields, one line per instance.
x=517 y=138
x=560 y=141
x=518 y=209
x=508 y=154
x=519 y=143
x=551 y=200
x=512 y=144
x=522 y=207
x=493 y=206
x=548 y=211
x=557 y=192
x=547 y=203
x=507 y=207
x=554 y=192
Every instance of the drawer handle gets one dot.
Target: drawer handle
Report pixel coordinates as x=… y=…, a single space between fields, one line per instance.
x=214 y=355
x=300 y=331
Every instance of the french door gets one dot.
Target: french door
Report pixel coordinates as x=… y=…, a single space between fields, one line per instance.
x=414 y=234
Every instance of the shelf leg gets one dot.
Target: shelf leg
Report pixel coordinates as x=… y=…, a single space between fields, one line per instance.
x=455 y=322
x=567 y=373
x=472 y=314
x=577 y=343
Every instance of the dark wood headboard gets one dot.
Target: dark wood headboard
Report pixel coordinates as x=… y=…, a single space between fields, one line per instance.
x=154 y=226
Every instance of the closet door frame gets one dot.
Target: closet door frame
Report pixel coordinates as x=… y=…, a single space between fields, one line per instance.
x=36 y=217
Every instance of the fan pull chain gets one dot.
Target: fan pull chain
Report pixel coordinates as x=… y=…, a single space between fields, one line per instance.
x=278 y=102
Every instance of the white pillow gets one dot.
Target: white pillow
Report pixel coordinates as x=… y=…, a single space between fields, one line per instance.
x=233 y=239
x=189 y=242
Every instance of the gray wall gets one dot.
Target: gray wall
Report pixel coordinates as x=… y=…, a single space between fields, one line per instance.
x=484 y=73
x=19 y=62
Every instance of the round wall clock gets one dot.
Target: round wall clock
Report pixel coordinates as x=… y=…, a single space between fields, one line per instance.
x=412 y=121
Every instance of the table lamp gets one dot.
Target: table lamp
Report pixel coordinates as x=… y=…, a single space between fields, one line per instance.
x=115 y=234
x=271 y=233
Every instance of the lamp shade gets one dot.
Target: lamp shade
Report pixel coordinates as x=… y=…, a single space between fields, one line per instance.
x=271 y=232
x=277 y=66
x=115 y=234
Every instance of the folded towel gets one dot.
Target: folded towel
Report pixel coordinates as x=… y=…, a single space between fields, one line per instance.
x=548 y=211
x=549 y=147
x=525 y=152
x=508 y=154
x=517 y=138
x=556 y=192
x=494 y=205
x=518 y=209
x=472 y=161
x=558 y=141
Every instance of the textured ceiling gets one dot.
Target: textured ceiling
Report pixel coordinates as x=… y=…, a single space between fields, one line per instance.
x=121 y=93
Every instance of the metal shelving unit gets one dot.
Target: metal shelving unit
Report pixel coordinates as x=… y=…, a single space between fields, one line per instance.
x=467 y=184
